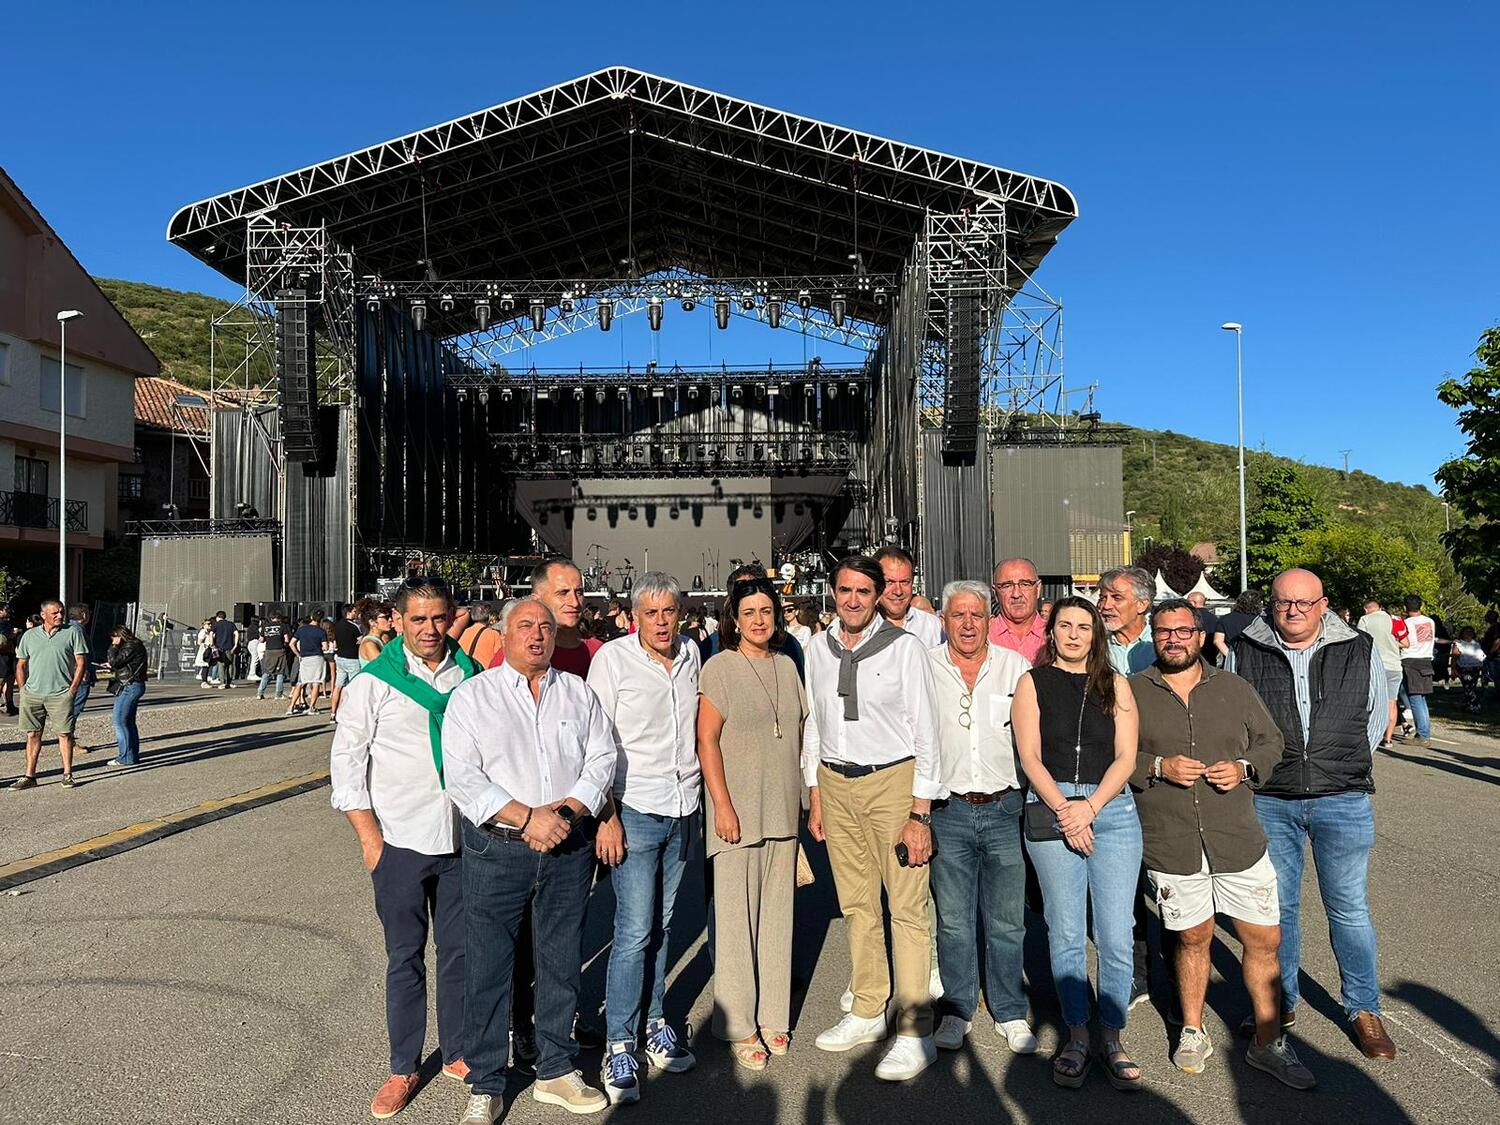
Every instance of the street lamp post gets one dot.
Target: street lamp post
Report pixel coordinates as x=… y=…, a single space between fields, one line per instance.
x=62 y=451
x=1239 y=382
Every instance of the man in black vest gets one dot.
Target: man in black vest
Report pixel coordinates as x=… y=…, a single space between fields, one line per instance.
x=1325 y=686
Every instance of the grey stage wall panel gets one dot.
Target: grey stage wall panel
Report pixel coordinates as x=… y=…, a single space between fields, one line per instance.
x=1046 y=497
x=317 y=525
x=957 y=540
x=244 y=462
x=195 y=577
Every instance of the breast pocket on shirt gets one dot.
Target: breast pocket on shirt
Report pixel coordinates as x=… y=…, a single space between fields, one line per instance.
x=999 y=711
x=570 y=739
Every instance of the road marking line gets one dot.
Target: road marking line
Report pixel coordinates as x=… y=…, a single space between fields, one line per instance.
x=1459 y=1057
x=135 y=835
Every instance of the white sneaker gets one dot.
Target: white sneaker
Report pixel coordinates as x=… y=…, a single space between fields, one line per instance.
x=935 y=983
x=851 y=1031
x=1018 y=1036
x=482 y=1109
x=846 y=1001
x=569 y=1091
x=909 y=1057
x=951 y=1032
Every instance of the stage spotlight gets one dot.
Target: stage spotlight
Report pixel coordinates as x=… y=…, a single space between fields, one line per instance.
x=505 y=395
x=760 y=390
x=507 y=303
x=833 y=390
x=736 y=391
x=565 y=306
x=653 y=313
x=599 y=395
x=482 y=314
x=577 y=394
x=593 y=512
x=623 y=394
x=721 y=311
x=747 y=301
x=538 y=313
x=693 y=391
x=697 y=582
x=673 y=511
x=484 y=398
x=757 y=511
x=809 y=388
x=419 y=314
x=880 y=294
x=804 y=299
x=688 y=303
x=836 y=306
x=773 y=312
x=372 y=304
x=853 y=388
x=463 y=395
x=606 y=315
x=774 y=390
x=633 y=513
x=445 y=303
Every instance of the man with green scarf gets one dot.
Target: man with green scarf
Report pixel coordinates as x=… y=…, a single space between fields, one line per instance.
x=387 y=767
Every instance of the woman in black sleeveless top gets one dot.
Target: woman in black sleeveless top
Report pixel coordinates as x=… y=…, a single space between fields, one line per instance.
x=1075 y=727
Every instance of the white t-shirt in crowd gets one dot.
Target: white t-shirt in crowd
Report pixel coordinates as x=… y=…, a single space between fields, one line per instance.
x=1422 y=632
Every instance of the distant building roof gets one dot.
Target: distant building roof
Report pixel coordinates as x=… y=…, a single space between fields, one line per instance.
x=1206 y=552
x=169 y=405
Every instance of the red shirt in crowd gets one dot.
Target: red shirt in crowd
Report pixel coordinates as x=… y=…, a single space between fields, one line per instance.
x=575 y=660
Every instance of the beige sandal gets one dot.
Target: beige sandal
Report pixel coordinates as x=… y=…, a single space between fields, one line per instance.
x=751 y=1055
x=777 y=1042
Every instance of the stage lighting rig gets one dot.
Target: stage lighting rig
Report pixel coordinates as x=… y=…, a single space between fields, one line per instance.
x=445 y=303
x=507 y=303
x=482 y=314
x=419 y=314
x=773 y=312
x=538 y=313
x=653 y=313
x=804 y=299
x=721 y=311
x=606 y=315
x=372 y=304
x=837 y=306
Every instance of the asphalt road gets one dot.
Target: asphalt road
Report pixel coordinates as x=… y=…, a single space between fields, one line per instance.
x=234 y=972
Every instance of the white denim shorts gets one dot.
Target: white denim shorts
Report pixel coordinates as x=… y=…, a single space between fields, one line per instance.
x=1185 y=901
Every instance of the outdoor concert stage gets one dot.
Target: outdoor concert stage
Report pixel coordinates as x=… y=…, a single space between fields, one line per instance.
x=395 y=296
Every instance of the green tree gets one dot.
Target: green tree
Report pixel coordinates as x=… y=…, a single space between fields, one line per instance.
x=1174 y=520
x=1356 y=563
x=1283 y=512
x=1471 y=483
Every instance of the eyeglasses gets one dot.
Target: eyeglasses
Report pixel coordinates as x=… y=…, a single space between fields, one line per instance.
x=1181 y=633
x=1022 y=584
x=966 y=717
x=1301 y=605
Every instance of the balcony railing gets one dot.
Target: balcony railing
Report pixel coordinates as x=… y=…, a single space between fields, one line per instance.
x=28 y=509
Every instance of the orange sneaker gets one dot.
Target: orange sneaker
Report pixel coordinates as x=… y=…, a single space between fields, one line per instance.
x=457 y=1069
x=393 y=1096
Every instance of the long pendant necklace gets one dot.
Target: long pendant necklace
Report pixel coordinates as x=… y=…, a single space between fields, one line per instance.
x=775 y=701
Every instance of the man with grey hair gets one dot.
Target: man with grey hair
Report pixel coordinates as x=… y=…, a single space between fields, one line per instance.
x=1124 y=602
x=978 y=869
x=648 y=685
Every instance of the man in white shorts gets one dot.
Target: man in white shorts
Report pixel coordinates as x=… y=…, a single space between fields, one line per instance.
x=1206 y=741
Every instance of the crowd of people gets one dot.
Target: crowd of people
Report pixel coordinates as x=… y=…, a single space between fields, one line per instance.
x=1132 y=756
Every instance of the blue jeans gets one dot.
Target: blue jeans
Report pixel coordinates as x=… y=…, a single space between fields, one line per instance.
x=1417 y=704
x=657 y=848
x=127 y=736
x=1107 y=878
x=979 y=875
x=81 y=698
x=1341 y=829
x=500 y=878
x=281 y=660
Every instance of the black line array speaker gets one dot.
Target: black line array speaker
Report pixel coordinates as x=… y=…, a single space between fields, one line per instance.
x=296 y=377
x=244 y=613
x=961 y=392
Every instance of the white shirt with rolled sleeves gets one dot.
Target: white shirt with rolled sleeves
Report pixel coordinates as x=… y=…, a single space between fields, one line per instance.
x=501 y=745
x=979 y=758
x=655 y=717
x=896 y=720
x=382 y=761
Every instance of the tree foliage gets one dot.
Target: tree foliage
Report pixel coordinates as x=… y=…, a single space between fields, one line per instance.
x=1356 y=563
x=1180 y=569
x=1471 y=483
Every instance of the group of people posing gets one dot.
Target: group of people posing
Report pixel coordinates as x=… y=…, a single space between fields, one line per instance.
x=933 y=757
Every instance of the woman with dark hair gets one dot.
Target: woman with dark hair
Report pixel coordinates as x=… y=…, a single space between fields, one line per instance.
x=127 y=660
x=750 y=747
x=379 y=628
x=1075 y=727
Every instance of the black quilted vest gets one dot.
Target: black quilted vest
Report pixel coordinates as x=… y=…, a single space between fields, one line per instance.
x=1336 y=757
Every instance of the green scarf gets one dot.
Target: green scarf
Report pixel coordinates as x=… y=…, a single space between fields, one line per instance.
x=390 y=668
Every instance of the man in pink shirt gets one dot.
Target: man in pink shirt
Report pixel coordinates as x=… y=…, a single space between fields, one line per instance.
x=1018 y=626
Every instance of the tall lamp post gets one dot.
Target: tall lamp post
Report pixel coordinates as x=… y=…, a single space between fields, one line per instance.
x=62 y=451
x=1239 y=382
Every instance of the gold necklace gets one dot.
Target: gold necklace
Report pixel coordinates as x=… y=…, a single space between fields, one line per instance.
x=774 y=702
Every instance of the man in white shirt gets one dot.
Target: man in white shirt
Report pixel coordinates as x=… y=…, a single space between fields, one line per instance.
x=869 y=757
x=387 y=779
x=1380 y=625
x=647 y=682
x=529 y=756
x=1416 y=668
x=979 y=870
x=899 y=568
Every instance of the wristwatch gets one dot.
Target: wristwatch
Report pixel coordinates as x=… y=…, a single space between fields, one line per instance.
x=566 y=812
x=922 y=818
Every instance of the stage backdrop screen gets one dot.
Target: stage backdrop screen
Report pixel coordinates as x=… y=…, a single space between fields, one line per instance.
x=195 y=577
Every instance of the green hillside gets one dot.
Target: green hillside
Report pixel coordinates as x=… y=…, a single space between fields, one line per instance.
x=177 y=326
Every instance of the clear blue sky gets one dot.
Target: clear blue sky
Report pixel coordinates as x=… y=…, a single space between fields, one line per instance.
x=1327 y=173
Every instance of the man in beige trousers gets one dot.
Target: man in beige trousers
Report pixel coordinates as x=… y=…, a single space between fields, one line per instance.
x=869 y=758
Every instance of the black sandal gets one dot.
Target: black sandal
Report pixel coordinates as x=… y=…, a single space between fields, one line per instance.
x=1116 y=1061
x=1071 y=1064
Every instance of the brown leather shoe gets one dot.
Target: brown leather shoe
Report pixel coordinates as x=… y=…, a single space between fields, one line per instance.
x=1370 y=1034
x=393 y=1096
x=457 y=1069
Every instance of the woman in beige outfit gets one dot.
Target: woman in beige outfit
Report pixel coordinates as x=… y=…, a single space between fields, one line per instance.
x=750 y=745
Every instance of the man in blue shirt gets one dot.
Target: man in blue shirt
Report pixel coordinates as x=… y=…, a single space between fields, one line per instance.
x=312 y=666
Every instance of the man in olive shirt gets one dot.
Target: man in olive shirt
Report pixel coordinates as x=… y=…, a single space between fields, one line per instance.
x=50 y=663
x=1206 y=738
